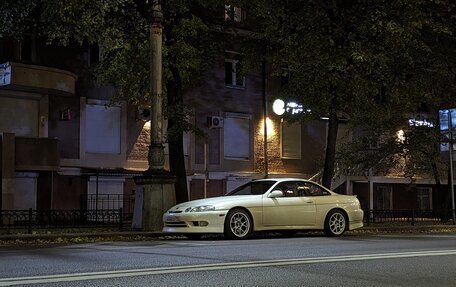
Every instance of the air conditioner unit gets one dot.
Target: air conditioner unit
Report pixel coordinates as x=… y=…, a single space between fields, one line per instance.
x=143 y=113
x=215 y=122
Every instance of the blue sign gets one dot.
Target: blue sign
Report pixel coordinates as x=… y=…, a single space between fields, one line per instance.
x=5 y=74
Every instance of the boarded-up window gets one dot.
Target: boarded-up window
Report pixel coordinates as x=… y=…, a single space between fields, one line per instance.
x=291 y=140
x=237 y=137
x=102 y=129
x=19 y=116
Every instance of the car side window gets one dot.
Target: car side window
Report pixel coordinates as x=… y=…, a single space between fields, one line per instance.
x=289 y=188
x=314 y=190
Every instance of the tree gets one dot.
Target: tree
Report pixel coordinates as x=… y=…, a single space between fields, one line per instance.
x=355 y=59
x=120 y=28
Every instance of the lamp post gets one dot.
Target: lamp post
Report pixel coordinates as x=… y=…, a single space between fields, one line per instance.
x=450 y=179
x=156 y=156
x=158 y=190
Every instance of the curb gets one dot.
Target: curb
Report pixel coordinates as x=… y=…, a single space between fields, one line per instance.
x=30 y=237
x=128 y=234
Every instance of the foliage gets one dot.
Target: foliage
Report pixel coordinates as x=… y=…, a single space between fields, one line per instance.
x=121 y=29
x=18 y=17
x=368 y=61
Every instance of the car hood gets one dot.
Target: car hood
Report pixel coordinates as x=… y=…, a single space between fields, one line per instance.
x=221 y=202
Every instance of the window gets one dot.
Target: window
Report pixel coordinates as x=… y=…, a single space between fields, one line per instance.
x=102 y=129
x=291 y=140
x=423 y=196
x=290 y=189
x=236 y=136
x=311 y=189
x=24 y=121
x=383 y=198
x=253 y=188
x=444 y=116
x=233 y=77
x=300 y=188
x=94 y=54
x=234 y=14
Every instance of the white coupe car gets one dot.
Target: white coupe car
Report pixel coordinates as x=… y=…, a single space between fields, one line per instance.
x=283 y=205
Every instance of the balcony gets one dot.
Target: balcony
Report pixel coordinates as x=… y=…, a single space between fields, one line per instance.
x=41 y=79
x=37 y=154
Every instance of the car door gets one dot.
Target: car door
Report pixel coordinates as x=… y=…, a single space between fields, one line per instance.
x=295 y=208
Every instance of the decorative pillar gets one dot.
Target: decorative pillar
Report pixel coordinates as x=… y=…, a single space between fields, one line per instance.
x=157 y=183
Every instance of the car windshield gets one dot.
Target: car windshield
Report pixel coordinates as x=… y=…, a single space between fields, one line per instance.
x=253 y=188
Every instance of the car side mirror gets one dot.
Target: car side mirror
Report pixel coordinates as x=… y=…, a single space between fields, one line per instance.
x=275 y=193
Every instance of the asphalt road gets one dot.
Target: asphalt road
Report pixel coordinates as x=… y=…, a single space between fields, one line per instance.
x=307 y=260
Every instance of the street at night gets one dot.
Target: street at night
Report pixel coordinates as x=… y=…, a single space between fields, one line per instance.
x=227 y=143
x=304 y=260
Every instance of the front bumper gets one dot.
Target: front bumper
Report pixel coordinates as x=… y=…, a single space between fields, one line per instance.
x=194 y=222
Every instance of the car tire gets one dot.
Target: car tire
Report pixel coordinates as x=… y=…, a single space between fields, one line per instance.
x=238 y=224
x=335 y=223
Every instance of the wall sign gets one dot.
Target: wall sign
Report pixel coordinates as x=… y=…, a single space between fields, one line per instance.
x=279 y=107
x=5 y=74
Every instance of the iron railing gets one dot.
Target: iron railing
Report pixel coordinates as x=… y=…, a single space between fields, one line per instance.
x=410 y=216
x=108 y=202
x=35 y=219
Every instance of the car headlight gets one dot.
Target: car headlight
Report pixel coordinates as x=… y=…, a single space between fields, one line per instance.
x=201 y=208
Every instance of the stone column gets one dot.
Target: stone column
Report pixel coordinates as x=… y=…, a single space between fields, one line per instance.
x=159 y=189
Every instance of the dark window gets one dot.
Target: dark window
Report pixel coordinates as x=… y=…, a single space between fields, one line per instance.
x=228 y=73
x=313 y=189
x=253 y=188
x=289 y=188
x=301 y=188
x=94 y=54
x=232 y=73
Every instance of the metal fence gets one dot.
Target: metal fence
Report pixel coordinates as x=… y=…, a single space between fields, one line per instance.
x=36 y=219
x=409 y=216
x=108 y=202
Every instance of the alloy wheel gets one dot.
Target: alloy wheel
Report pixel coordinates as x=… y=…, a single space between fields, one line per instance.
x=337 y=223
x=239 y=224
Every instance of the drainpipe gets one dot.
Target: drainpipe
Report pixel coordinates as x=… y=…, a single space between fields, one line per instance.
x=265 y=116
x=450 y=179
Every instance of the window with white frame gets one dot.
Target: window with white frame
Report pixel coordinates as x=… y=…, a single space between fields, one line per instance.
x=102 y=129
x=236 y=136
x=291 y=140
x=233 y=77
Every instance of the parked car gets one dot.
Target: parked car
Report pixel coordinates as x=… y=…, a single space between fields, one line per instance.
x=284 y=205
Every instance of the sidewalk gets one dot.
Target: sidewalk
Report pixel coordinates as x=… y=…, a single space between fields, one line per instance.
x=99 y=236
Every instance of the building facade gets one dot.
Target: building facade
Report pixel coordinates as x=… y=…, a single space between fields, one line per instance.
x=64 y=145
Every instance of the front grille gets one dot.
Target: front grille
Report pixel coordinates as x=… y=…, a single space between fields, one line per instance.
x=175 y=211
x=175 y=224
